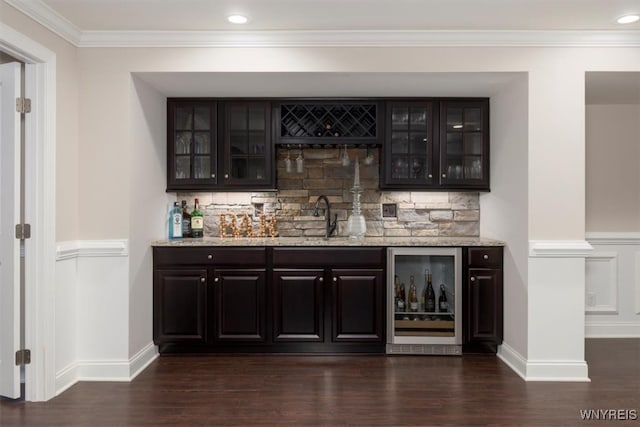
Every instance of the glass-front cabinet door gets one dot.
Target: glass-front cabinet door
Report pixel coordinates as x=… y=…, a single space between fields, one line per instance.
x=409 y=145
x=464 y=148
x=247 y=148
x=191 y=148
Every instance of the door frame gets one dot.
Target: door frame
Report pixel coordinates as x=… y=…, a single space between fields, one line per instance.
x=40 y=210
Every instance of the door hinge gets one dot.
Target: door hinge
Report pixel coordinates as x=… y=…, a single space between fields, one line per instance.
x=23 y=231
x=23 y=105
x=23 y=357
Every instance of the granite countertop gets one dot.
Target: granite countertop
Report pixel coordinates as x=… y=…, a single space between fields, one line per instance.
x=333 y=241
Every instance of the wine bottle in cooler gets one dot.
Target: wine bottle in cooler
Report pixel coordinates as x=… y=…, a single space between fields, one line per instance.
x=197 y=220
x=443 y=304
x=413 y=295
x=175 y=222
x=430 y=297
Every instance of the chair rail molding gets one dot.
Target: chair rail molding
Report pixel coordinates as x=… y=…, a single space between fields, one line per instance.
x=559 y=248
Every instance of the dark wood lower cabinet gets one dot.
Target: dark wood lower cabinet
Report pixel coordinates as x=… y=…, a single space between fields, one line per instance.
x=319 y=300
x=358 y=305
x=482 y=300
x=180 y=306
x=240 y=304
x=298 y=305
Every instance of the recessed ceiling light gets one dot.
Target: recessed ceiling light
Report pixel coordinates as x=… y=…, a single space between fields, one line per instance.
x=628 y=19
x=237 y=19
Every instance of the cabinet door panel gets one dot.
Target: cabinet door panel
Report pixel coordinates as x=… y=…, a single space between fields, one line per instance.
x=179 y=306
x=485 y=294
x=191 y=144
x=298 y=305
x=358 y=305
x=240 y=304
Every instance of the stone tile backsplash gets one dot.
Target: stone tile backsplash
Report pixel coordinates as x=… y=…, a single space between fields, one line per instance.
x=429 y=214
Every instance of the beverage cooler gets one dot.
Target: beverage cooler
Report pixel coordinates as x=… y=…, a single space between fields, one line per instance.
x=424 y=301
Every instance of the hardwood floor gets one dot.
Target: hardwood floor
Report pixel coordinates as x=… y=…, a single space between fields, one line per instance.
x=343 y=390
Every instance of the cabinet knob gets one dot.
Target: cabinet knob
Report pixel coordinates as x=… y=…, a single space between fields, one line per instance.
x=209 y=256
x=444 y=175
x=226 y=176
x=430 y=176
x=202 y=279
x=335 y=279
x=424 y=139
x=217 y=279
x=321 y=279
x=485 y=256
x=213 y=175
x=473 y=279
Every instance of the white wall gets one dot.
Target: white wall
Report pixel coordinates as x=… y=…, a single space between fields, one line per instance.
x=148 y=169
x=504 y=209
x=613 y=175
x=67 y=177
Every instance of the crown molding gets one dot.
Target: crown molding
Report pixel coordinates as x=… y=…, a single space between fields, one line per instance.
x=50 y=19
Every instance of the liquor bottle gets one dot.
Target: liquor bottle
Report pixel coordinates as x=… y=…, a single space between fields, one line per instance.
x=175 y=222
x=396 y=292
x=197 y=221
x=430 y=297
x=413 y=295
x=443 y=304
x=186 y=220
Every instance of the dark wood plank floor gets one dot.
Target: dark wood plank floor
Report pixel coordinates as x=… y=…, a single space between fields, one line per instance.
x=343 y=390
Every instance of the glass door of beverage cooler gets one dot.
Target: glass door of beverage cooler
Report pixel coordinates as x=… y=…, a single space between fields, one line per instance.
x=424 y=296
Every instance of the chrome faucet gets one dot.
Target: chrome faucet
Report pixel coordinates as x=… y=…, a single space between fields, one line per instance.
x=331 y=226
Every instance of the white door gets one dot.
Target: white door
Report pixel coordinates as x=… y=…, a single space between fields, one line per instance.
x=9 y=217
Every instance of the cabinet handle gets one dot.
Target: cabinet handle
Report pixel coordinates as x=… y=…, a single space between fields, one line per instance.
x=335 y=279
x=202 y=279
x=217 y=279
x=485 y=256
x=321 y=279
x=473 y=279
x=444 y=175
x=209 y=256
x=226 y=176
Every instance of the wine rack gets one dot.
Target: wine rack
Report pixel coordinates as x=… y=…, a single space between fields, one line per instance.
x=328 y=123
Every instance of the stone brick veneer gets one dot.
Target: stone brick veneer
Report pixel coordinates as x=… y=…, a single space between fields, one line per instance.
x=419 y=213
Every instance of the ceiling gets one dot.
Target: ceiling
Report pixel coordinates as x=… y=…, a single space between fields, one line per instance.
x=348 y=23
x=199 y=15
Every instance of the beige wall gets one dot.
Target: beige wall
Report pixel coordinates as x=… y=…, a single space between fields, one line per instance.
x=613 y=172
x=67 y=201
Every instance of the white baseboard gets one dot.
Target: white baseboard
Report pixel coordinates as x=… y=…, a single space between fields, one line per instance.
x=513 y=359
x=543 y=370
x=612 y=329
x=105 y=370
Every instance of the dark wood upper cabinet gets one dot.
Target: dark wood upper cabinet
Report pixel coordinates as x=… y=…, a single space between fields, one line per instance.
x=410 y=145
x=464 y=144
x=436 y=144
x=219 y=145
x=192 y=141
x=332 y=121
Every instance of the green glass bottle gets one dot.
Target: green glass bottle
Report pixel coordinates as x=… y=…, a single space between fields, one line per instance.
x=197 y=221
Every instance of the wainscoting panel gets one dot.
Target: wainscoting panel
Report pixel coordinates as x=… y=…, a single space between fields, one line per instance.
x=602 y=283
x=613 y=286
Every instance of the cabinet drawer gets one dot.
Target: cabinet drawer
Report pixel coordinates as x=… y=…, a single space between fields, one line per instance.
x=485 y=257
x=332 y=257
x=209 y=256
